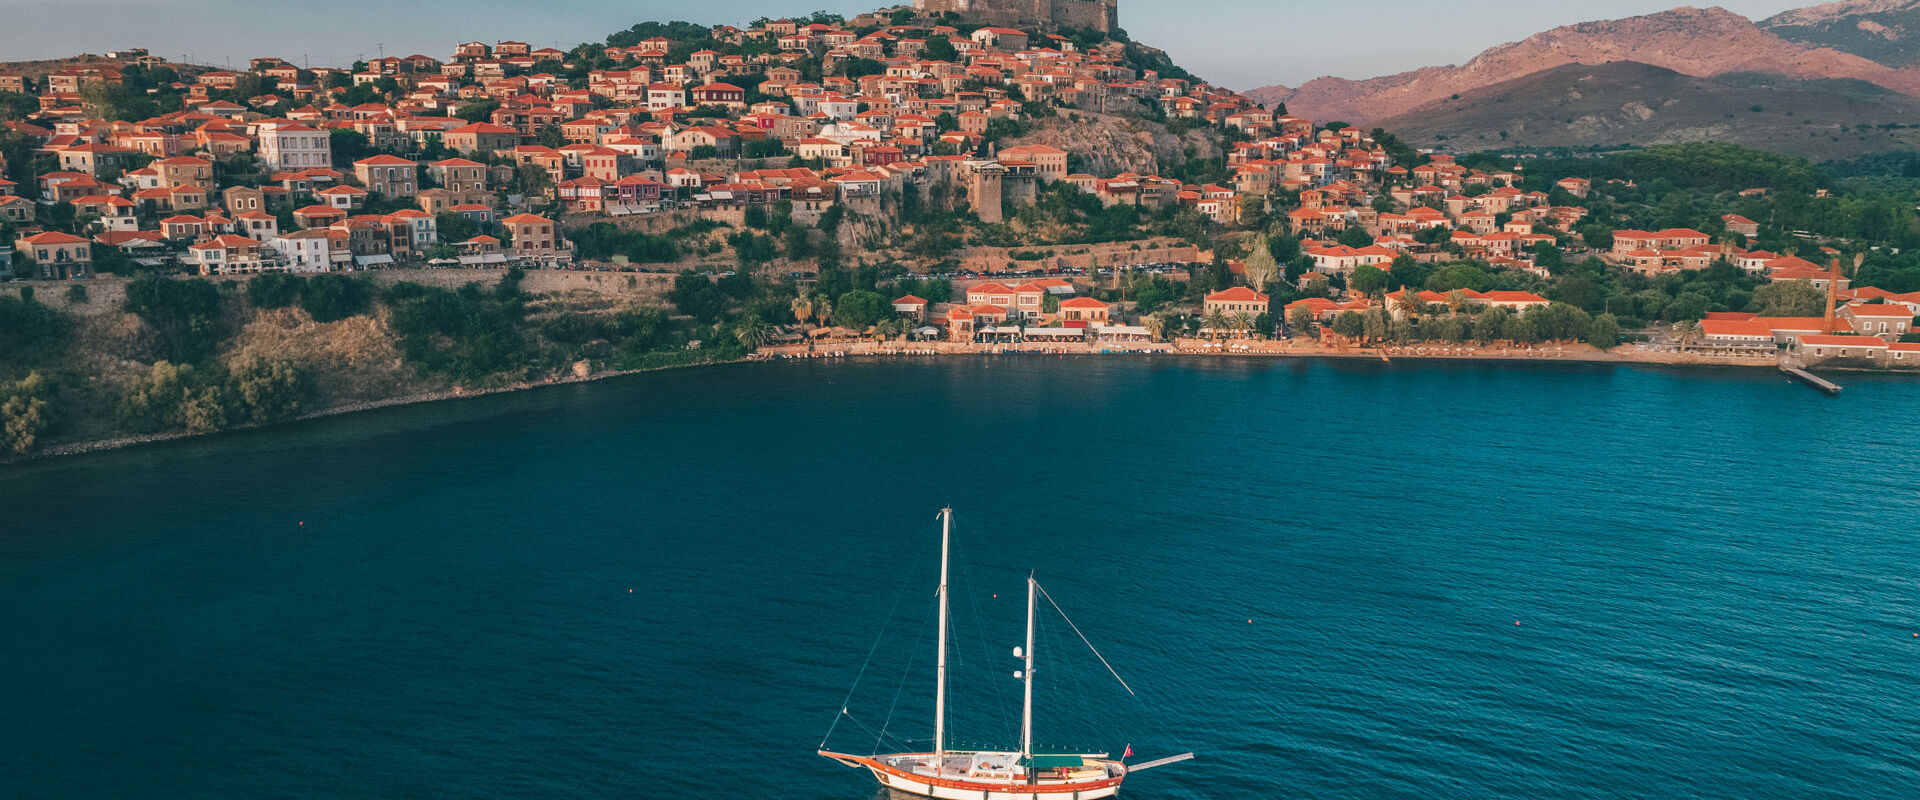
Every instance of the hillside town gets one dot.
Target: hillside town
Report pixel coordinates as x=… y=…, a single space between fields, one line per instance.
x=907 y=177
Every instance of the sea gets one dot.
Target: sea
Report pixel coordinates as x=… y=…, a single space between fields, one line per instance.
x=1327 y=579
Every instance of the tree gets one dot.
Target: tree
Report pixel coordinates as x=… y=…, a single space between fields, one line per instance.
x=938 y=48
x=1261 y=268
x=1604 y=332
x=802 y=307
x=268 y=390
x=1355 y=237
x=1375 y=323
x=1158 y=325
x=696 y=296
x=478 y=110
x=1216 y=323
x=185 y=314
x=274 y=290
x=1788 y=299
x=1349 y=324
x=860 y=308
x=1491 y=325
x=1301 y=319
x=25 y=412
x=1520 y=328
x=331 y=297
x=454 y=228
x=1686 y=333
x=348 y=146
x=1367 y=280
x=753 y=333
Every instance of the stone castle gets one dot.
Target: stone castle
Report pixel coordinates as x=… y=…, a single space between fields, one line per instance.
x=1046 y=15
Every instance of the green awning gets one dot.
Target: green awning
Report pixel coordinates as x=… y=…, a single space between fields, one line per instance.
x=1045 y=761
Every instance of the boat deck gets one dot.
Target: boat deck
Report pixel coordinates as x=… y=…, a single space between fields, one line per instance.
x=999 y=767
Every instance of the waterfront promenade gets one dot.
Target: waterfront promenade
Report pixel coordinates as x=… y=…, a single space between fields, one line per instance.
x=1551 y=352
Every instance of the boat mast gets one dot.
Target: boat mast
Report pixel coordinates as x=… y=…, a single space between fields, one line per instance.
x=1026 y=676
x=940 y=682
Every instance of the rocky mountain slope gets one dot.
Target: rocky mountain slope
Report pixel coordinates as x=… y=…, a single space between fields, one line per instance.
x=1626 y=103
x=1886 y=31
x=1691 y=41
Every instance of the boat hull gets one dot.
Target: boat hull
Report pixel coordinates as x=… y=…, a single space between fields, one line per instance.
x=956 y=789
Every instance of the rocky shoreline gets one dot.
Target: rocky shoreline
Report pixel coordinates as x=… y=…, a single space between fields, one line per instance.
x=1567 y=354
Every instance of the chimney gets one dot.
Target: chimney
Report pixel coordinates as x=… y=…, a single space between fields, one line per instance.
x=1833 y=289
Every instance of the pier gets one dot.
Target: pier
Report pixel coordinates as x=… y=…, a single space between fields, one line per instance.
x=1811 y=379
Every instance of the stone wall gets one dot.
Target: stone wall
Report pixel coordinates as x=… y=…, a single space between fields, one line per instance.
x=1100 y=15
x=1080 y=256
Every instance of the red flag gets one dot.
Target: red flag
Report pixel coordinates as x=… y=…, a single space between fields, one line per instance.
x=1126 y=755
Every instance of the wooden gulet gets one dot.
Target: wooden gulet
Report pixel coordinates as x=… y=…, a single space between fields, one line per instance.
x=994 y=775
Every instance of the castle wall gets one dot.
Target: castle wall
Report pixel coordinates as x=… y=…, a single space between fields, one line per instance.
x=1100 y=15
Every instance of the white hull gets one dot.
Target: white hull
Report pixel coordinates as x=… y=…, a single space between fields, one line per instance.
x=923 y=789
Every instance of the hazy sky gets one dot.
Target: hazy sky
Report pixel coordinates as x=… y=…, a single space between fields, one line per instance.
x=1239 y=43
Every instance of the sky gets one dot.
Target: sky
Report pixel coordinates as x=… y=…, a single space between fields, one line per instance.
x=1241 y=44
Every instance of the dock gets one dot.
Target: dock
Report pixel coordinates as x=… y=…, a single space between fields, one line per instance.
x=1811 y=379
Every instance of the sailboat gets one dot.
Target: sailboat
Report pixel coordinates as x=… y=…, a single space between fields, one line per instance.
x=952 y=774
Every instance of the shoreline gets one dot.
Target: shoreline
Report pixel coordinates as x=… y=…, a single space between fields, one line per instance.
x=1576 y=355
x=122 y=442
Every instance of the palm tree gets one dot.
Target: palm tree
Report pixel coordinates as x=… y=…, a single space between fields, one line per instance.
x=802 y=306
x=1157 y=325
x=1243 y=322
x=753 y=333
x=1686 y=333
x=1217 y=322
x=823 y=311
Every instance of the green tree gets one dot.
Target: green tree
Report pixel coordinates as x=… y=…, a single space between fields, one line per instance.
x=151 y=402
x=695 y=295
x=274 y=290
x=753 y=333
x=330 y=297
x=25 y=412
x=1302 y=321
x=1261 y=270
x=1349 y=324
x=1367 y=280
x=938 y=48
x=268 y=390
x=1605 y=332
x=860 y=308
x=1788 y=299
x=184 y=313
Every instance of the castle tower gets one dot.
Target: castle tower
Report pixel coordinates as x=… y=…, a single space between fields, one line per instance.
x=983 y=189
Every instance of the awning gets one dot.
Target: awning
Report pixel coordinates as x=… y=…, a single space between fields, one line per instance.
x=373 y=260
x=1056 y=333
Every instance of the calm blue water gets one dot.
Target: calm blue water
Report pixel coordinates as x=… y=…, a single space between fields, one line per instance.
x=662 y=586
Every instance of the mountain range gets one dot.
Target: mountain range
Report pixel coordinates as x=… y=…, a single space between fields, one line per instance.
x=1682 y=74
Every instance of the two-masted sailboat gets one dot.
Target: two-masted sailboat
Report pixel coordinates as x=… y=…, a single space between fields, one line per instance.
x=994 y=774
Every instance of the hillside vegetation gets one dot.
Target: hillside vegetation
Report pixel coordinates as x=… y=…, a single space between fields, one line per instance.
x=1627 y=104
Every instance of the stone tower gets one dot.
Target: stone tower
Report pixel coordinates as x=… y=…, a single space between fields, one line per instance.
x=983 y=189
x=1045 y=15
